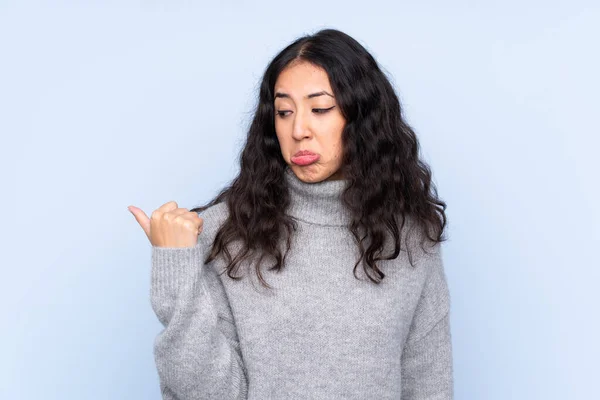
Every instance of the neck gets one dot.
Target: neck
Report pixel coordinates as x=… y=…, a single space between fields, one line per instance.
x=317 y=203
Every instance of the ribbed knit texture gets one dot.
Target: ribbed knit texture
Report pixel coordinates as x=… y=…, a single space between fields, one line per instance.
x=320 y=333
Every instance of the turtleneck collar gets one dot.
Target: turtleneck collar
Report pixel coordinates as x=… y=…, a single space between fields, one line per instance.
x=317 y=203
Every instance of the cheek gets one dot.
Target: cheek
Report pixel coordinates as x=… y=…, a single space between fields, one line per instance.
x=338 y=145
x=336 y=138
x=281 y=130
x=283 y=141
x=338 y=151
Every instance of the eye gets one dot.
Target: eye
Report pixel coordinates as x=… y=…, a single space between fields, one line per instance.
x=322 y=110
x=281 y=113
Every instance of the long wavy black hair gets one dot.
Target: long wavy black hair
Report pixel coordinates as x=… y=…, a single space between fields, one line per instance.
x=388 y=183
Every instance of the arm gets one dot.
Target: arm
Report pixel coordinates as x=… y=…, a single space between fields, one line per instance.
x=427 y=371
x=197 y=353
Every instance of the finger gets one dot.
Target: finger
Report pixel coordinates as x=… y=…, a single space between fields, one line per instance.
x=179 y=211
x=171 y=215
x=141 y=218
x=191 y=220
x=192 y=216
x=168 y=206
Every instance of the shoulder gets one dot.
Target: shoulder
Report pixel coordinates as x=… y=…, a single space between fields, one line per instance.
x=423 y=250
x=213 y=217
x=218 y=211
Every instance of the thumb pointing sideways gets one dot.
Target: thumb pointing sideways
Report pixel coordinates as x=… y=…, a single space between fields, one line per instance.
x=141 y=218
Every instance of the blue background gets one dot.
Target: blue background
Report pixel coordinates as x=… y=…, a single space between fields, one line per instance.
x=108 y=104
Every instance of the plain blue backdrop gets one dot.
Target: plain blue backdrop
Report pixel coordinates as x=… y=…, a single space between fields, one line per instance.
x=108 y=104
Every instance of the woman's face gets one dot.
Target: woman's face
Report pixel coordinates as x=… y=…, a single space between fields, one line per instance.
x=307 y=118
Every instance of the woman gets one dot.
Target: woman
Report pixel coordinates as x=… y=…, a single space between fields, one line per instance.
x=256 y=292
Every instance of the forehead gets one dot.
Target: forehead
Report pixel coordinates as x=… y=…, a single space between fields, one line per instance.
x=302 y=78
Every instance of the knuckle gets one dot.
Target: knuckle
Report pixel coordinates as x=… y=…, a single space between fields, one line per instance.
x=190 y=225
x=168 y=216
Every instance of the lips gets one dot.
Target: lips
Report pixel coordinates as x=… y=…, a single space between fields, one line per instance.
x=305 y=157
x=304 y=153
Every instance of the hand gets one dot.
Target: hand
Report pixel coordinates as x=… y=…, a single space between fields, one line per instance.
x=170 y=226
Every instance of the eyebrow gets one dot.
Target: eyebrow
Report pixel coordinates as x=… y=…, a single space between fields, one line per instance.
x=310 y=96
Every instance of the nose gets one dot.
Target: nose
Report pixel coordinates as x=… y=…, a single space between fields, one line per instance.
x=301 y=126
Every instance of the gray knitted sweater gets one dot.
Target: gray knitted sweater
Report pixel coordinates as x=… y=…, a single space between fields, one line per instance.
x=320 y=333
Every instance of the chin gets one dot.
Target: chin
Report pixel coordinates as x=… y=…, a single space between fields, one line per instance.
x=311 y=173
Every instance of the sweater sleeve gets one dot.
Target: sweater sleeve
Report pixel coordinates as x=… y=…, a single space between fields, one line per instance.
x=427 y=370
x=197 y=353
